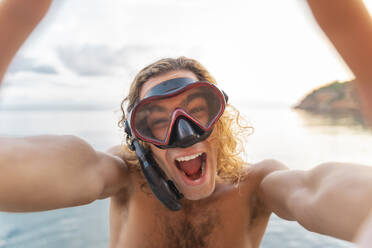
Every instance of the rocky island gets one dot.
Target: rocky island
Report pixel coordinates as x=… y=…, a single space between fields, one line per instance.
x=336 y=98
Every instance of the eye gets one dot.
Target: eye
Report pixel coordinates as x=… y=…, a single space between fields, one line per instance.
x=157 y=123
x=159 y=127
x=198 y=110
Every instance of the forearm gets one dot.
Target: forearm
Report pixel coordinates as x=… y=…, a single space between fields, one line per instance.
x=49 y=172
x=332 y=199
x=17 y=20
x=348 y=26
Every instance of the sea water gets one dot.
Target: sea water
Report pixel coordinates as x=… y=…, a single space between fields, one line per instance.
x=297 y=139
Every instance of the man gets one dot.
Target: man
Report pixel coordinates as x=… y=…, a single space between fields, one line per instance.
x=320 y=199
x=225 y=204
x=311 y=198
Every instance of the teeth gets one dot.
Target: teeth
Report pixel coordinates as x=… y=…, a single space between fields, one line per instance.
x=187 y=158
x=202 y=172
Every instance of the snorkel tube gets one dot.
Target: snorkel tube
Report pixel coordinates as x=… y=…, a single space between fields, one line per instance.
x=163 y=189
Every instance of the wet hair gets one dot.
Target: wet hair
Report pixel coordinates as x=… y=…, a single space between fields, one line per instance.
x=230 y=129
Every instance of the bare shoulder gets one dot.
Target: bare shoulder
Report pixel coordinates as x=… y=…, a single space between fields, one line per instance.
x=134 y=178
x=258 y=171
x=255 y=175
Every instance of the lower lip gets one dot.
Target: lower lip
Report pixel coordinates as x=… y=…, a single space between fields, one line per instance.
x=196 y=182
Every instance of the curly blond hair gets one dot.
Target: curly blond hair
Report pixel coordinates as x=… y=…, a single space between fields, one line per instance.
x=230 y=129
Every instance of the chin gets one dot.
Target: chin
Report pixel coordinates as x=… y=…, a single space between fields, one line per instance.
x=198 y=195
x=200 y=192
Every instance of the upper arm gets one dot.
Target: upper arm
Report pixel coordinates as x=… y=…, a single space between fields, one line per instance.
x=323 y=199
x=17 y=20
x=48 y=172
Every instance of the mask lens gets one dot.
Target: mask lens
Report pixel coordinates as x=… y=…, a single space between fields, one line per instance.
x=154 y=117
x=152 y=120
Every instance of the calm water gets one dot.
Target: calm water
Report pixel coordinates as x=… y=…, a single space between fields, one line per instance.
x=297 y=139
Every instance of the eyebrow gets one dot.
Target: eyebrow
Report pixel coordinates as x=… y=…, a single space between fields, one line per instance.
x=156 y=108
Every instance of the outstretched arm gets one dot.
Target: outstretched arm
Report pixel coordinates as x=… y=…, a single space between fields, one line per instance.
x=48 y=172
x=348 y=26
x=364 y=238
x=17 y=20
x=332 y=198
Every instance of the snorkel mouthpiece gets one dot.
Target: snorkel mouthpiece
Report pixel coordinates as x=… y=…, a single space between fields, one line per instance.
x=186 y=134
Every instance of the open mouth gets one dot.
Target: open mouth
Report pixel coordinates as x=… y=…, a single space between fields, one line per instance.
x=192 y=166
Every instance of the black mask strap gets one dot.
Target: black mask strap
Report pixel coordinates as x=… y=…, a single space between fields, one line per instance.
x=163 y=189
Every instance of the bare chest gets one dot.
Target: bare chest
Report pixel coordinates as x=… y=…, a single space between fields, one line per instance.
x=223 y=221
x=183 y=230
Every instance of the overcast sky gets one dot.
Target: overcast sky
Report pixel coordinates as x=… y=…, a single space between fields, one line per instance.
x=86 y=52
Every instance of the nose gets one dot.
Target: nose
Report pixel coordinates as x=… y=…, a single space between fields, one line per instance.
x=186 y=133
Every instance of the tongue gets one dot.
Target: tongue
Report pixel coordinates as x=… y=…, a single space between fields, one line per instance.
x=192 y=166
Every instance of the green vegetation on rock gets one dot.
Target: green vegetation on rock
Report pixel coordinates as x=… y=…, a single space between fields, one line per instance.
x=333 y=98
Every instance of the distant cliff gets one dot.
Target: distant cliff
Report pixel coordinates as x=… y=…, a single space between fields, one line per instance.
x=334 y=98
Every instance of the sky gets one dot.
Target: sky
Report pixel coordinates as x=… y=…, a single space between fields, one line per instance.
x=85 y=53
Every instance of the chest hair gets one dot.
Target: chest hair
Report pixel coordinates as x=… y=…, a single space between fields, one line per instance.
x=193 y=230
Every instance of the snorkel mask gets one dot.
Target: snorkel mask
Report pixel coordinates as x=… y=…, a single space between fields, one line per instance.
x=176 y=113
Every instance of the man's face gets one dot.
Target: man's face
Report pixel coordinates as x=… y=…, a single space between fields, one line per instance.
x=201 y=156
